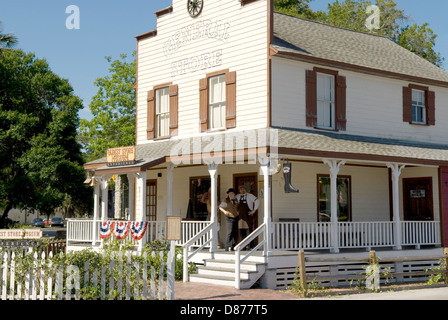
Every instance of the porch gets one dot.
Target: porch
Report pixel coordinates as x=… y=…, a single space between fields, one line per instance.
x=286 y=236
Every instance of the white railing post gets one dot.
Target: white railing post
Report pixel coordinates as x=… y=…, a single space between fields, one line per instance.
x=396 y=172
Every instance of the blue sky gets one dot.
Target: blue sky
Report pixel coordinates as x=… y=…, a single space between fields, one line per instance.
x=107 y=28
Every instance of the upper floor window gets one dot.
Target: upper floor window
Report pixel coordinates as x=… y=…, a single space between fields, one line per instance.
x=217 y=100
x=418 y=107
x=325 y=101
x=162 y=117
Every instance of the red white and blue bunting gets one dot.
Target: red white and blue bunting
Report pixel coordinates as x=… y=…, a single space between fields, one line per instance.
x=138 y=229
x=106 y=228
x=121 y=229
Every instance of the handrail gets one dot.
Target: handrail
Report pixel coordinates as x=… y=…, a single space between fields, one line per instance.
x=189 y=243
x=242 y=244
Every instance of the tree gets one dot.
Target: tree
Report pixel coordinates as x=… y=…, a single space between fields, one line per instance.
x=7 y=40
x=40 y=159
x=352 y=15
x=113 y=108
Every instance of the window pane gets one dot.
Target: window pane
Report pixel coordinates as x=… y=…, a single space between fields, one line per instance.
x=162 y=112
x=217 y=102
x=325 y=101
x=343 y=199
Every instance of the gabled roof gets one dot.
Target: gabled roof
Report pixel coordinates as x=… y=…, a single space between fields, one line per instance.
x=318 y=42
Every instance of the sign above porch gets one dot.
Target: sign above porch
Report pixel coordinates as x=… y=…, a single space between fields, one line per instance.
x=121 y=156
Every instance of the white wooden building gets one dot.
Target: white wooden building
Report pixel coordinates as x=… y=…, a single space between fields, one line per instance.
x=233 y=93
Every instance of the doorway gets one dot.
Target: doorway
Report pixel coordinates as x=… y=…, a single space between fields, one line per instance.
x=418 y=199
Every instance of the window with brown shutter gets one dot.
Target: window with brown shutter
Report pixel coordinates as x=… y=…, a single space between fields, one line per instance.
x=326 y=99
x=162 y=116
x=212 y=99
x=311 y=98
x=174 y=109
x=150 y=126
x=419 y=105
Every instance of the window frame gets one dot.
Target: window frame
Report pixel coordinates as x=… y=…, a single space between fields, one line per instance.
x=157 y=114
x=221 y=104
x=331 y=102
x=416 y=107
x=349 y=201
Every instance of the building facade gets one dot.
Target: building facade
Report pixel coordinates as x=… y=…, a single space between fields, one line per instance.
x=341 y=135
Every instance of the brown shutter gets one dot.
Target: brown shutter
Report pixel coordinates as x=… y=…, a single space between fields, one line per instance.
x=341 y=103
x=407 y=104
x=203 y=104
x=431 y=108
x=311 y=98
x=150 y=126
x=174 y=109
x=230 y=100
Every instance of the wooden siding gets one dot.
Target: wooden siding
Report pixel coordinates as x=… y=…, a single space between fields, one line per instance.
x=374 y=104
x=245 y=52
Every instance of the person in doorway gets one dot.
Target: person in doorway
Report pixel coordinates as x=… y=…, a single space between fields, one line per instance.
x=229 y=206
x=247 y=208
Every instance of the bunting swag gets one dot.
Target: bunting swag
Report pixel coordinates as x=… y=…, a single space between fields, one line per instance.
x=138 y=229
x=121 y=229
x=106 y=228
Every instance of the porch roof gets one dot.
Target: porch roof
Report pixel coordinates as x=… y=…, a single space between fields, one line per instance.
x=304 y=143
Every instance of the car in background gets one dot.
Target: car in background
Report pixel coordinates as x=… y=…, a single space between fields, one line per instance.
x=57 y=222
x=38 y=222
x=47 y=222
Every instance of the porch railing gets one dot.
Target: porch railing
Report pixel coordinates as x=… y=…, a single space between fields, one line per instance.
x=315 y=236
x=85 y=231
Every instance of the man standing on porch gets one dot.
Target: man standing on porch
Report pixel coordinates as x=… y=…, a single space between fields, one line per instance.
x=248 y=206
x=229 y=207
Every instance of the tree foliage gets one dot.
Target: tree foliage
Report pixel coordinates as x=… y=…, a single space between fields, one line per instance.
x=352 y=14
x=40 y=159
x=113 y=110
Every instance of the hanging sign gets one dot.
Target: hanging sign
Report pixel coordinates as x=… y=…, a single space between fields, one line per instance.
x=12 y=234
x=121 y=156
x=173 y=228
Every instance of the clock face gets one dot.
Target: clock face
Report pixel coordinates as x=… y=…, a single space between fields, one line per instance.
x=194 y=7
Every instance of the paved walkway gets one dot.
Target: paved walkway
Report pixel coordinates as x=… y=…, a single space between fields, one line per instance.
x=204 y=291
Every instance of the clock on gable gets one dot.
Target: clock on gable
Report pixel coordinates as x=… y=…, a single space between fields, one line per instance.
x=194 y=7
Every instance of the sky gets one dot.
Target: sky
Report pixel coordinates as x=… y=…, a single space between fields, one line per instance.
x=108 y=28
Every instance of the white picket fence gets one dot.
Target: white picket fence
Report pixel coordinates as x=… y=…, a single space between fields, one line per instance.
x=123 y=278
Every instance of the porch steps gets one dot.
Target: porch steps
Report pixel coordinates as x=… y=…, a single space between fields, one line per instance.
x=222 y=272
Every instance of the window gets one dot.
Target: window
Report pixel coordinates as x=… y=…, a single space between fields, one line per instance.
x=418 y=107
x=217 y=101
x=325 y=101
x=162 y=117
x=162 y=112
x=343 y=198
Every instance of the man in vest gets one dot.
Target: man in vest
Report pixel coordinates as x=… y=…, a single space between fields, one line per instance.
x=229 y=206
x=248 y=206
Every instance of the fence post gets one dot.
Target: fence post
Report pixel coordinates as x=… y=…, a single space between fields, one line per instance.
x=302 y=272
x=445 y=260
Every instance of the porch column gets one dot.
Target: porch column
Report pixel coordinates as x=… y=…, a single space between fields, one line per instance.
x=396 y=172
x=131 y=179
x=213 y=171
x=335 y=166
x=265 y=168
x=169 y=189
x=104 y=197
x=141 y=205
x=96 y=207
